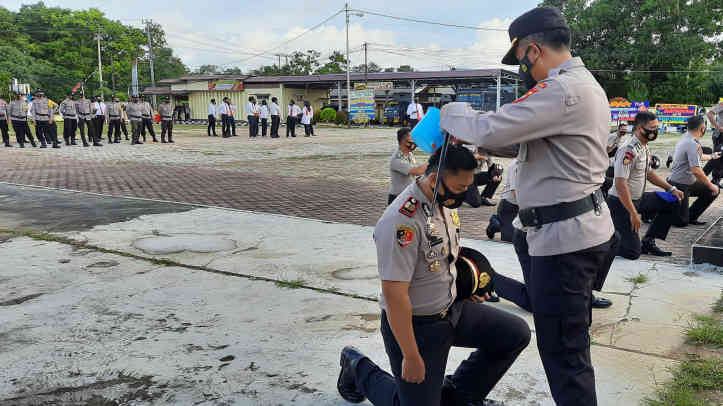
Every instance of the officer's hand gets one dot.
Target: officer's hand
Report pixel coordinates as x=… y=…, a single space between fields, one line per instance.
x=497 y=178
x=678 y=194
x=715 y=189
x=413 y=369
x=635 y=221
x=480 y=299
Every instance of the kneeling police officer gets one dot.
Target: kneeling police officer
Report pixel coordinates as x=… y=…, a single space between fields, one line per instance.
x=628 y=198
x=417 y=246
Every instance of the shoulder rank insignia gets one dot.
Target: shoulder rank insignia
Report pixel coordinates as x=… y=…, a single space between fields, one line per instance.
x=409 y=207
x=455 y=217
x=532 y=91
x=628 y=158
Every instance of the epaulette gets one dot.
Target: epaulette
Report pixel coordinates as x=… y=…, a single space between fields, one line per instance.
x=409 y=207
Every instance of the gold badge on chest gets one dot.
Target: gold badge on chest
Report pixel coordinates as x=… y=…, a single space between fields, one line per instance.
x=455 y=217
x=435 y=266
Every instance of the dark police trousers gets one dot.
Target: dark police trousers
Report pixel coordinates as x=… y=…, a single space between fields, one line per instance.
x=291 y=126
x=650 y=205
x=22 y=130
x=99 y=121
x=82 y=124
x=253 y=126
x=113 y=130
x=686 y=214
x=167 y=125
x=211 y=124
x=225 y=126
x=473 y=197
x=275 y=121
x=507 y=211
x=5 y=133
x=42 y=132
x=148 y=124
x=558 y=292
x=498 y=336
x=264 y=126
x=69 y=127
x=609 y=180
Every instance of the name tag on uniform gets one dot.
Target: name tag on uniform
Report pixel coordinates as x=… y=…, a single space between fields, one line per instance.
x=435 y=266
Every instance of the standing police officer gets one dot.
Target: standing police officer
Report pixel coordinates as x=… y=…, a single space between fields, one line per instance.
x=147 y=116
x=4 y=123
x=166 y=111
x=42 y=116
x=135 y=115
x=614 y=141
x=86 y=112
x=18 y=111
x=628 y=198
x=114 y=114
x=562 y=124
x=70 y=119
x=422 y=318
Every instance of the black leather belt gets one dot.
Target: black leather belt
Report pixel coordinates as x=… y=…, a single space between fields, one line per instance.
x=20 y=117
x=538 y=216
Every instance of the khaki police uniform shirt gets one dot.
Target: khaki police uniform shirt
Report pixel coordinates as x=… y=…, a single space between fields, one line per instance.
x=146 y=110
x=41 y=110
x=687 y=154
x=68 y=109
x=562 y=125
x=399 y=167
x=86 y=109
x=134 y=111
x=631 y=163
x=509 y=189
x=166 y=111
x=718 y=111
x=113 y=111
x=404 y=253
x=18 y=110
x=4 y=116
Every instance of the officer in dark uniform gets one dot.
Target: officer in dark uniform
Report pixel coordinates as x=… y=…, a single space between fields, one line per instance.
x=569 y=232
x=417 y=246
x=628 y=198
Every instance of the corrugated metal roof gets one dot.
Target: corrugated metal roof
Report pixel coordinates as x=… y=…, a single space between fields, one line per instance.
x=339 y=77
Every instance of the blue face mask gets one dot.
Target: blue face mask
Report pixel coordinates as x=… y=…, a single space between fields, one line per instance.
x=526 y=70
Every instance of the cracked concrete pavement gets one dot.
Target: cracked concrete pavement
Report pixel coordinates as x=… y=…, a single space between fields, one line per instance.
x=111 y=322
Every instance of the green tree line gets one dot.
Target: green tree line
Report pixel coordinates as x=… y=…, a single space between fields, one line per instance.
x=55 y=48
x=633 y=45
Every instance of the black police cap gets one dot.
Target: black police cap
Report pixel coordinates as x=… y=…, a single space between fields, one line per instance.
x=538 y=19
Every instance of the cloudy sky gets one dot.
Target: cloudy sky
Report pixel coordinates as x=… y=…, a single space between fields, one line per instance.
x=230 y=33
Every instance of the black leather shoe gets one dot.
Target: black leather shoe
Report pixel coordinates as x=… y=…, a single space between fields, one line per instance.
x=697 y=223
x=601 y=303
x=493 y=298
x=648 y=247
x=493 y=227
x=669 y=161
x=486 y=202
x=346 y=384
x=452 y=397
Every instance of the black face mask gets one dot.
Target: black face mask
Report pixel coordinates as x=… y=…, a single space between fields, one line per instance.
x=526 y=71
x=650 y=135
x=448 y=195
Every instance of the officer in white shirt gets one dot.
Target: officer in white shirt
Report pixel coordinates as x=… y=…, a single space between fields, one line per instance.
x=415 y=112
x=306 y=119
x=99 y=119
x=252 y=113
x=275 y=112
x=291 y=113
x=225 y=111
x=232 y=117
x=212 y=118
x=264 y=114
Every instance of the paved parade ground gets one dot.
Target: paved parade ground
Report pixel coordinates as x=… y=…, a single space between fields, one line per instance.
x=111 y=299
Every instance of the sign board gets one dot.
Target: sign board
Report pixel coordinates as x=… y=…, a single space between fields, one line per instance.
x=227 y=85
x=675 y=113
x=374 y=85
x=624 y=110
x=362 y=106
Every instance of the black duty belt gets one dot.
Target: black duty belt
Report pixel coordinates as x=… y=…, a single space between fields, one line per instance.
x=42 y=115
x=538 y=216
x=112 y=115
x=19 y=117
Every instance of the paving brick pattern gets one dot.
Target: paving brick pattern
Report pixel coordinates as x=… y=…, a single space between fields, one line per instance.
x=339 y=176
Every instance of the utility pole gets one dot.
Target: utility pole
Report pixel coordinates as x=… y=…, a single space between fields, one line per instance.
x=279 y=55
x=348 y=78
x=100 y=66
x=150 y=57
x=366 y=66
x=112 y=71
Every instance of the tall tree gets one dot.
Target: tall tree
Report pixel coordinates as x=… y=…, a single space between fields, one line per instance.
x=336 y=64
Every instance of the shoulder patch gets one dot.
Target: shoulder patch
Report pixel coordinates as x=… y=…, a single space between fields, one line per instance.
x=628 y=158
x=409 y=207
x=405 y=235
x=532 y=91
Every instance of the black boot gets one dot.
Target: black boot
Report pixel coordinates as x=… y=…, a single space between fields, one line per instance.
x=453 y=397
x=486 y=202
x=72 y=141
x=346 y=384
x=163 y=140
x=649 y=248
x=495 y=226
x=669 y=161
x=601 y=303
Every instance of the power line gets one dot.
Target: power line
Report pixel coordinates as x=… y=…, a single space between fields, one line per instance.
x=655 y=71
x=416 y=20
x=268 y=51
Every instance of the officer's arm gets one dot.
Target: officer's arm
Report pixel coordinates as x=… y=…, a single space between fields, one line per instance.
x=624 y=161
x=657 y=180
x=621 y=185
x=538 y=114
x=711 y=118
x=401 y=166
x=397 y=250
x=399 y=313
